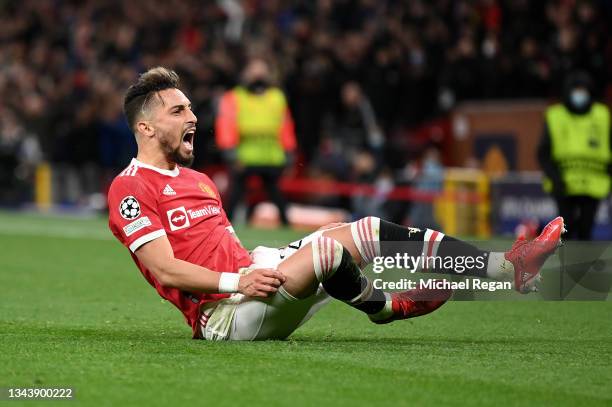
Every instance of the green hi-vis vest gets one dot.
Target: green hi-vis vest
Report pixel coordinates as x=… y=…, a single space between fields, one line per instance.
x=260 y=118
x=581 y=148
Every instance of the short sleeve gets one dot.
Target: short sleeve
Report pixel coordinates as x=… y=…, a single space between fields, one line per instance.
x=133 y=217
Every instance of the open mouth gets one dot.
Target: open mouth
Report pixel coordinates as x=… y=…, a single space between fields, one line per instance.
x=188 y=139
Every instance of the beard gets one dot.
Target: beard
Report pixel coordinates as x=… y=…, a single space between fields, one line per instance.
x=175 y=155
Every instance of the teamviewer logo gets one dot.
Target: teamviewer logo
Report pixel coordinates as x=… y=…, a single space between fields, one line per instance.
x=177 y=218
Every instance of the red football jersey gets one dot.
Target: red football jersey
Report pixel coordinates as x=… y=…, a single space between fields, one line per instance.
x=146 y=202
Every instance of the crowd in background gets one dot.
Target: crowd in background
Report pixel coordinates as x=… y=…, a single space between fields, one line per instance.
x=355 y=71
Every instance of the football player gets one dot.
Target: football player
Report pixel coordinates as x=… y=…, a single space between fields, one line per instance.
x=171 y=219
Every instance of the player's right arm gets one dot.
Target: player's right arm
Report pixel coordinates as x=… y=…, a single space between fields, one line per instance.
x=135 y=221
x=158 y=257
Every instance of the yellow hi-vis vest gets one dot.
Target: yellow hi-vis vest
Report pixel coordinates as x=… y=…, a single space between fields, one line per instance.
x=260 y=118
x=581 y=147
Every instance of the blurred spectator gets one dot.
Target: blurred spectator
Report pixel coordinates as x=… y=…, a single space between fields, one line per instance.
x=364 y=167
x=532 y=72
x=255 y=132
x=429 y=179
x=354 y=129
x=410 y=59
x=19 y=155
x=462 y=73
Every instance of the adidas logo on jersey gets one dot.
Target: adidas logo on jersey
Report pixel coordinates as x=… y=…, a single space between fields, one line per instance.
x=168 y=190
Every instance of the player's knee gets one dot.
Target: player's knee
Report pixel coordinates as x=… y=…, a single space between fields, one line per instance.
x=326 y=256
x=366 y=235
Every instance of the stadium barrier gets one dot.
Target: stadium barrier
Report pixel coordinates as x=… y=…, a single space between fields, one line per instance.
x=469 y=204
x=518 y=197
x=461 y=208
x=464 y=207
x=42 y=187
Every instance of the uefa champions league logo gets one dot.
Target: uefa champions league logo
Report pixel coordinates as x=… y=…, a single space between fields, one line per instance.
x=129 y=208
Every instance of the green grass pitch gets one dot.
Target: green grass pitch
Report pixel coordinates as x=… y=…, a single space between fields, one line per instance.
x=76 y=312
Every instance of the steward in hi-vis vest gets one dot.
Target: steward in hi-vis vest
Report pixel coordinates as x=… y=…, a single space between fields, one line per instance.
x=258 y=126
x=575 y=155
x=255 y=133
x=581 y=148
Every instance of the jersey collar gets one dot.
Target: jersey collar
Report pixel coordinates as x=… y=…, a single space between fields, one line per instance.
x=170 y=173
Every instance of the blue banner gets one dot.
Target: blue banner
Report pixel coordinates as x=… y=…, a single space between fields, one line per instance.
x=516 y=199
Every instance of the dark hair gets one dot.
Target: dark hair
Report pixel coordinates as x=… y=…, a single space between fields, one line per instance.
x=140 y=94
x=578 y=78
x=574 y=80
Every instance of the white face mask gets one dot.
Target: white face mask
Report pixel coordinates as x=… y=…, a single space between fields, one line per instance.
x=579 y=98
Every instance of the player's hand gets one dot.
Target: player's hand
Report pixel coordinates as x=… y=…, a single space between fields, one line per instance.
x=261 y=283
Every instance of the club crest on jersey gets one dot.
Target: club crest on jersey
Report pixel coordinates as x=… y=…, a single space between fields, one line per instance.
x=177 y=218
x=129 y=208
x=207 y=190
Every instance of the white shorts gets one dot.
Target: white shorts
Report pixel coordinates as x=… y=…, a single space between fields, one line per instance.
x=246 y=319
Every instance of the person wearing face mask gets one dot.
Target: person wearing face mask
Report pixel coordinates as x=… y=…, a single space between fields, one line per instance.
x=575 y=156
x=256 y=135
